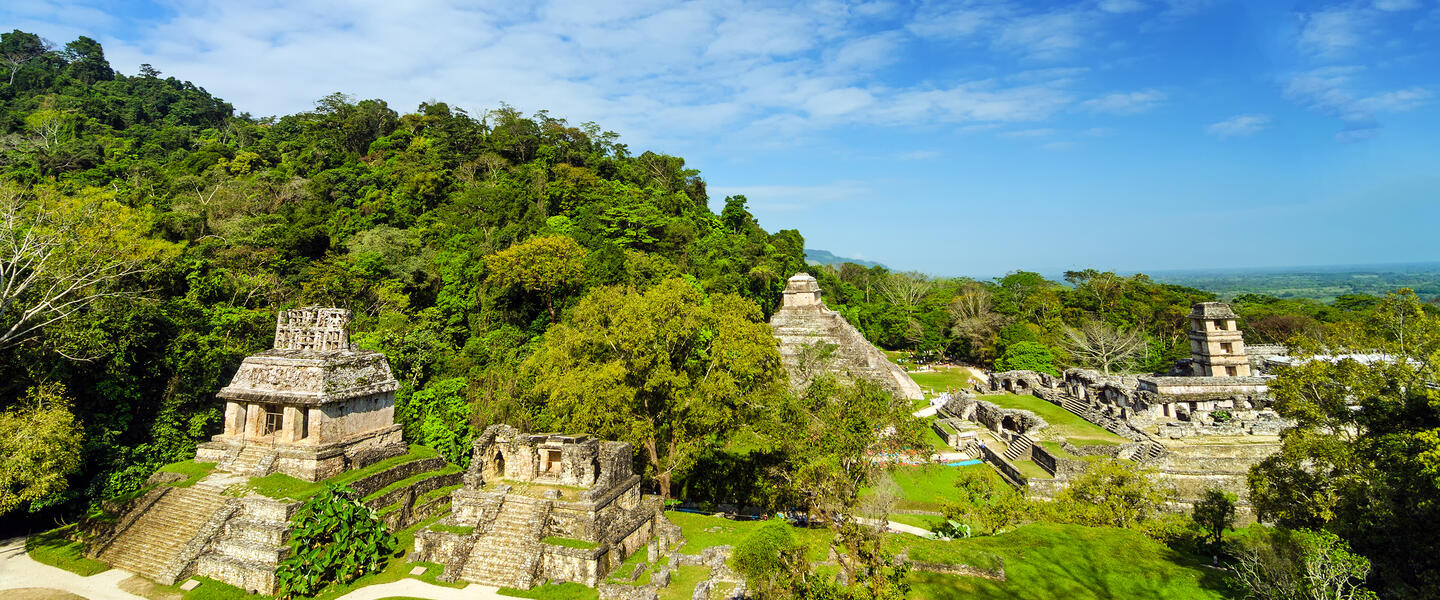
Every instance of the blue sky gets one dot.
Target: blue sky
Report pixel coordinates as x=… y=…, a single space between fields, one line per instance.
x=956 y=138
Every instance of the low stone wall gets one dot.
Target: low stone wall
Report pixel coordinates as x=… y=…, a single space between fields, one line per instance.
x=374 y=483
x=1006 y=469
x=1062 y=467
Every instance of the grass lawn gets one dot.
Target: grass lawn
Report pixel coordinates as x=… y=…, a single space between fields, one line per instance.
x=683 y=581
x=1031 y=470
x=703 y=531
x=55 y=548
x=935 y=442
x=1072 y=562
x=554 y=591
x=926 y=487
x=938 y=381
x=1062 y=422
x=281 y=486
x=921 y=521
x=191 y=469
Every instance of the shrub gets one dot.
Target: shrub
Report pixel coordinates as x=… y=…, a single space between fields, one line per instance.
x=334 y=539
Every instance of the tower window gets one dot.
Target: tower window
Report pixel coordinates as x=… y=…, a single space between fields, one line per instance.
x=1220 y=324
x=1227 y=347
x=1230 y=371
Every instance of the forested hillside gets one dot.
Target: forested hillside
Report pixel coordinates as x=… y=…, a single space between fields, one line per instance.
x=154 y=232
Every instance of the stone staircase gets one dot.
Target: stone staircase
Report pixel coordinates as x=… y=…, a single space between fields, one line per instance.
x=508 y=554
x=1019 y=446
x=251 y=545
x=254 y=460
x=158 y=539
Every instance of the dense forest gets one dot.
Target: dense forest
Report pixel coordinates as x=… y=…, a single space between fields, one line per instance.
x=456 y=240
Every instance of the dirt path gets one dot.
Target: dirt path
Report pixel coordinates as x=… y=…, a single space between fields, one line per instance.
x=19 y=571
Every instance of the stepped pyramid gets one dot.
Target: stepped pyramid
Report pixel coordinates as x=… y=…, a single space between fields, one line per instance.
x=803 y=322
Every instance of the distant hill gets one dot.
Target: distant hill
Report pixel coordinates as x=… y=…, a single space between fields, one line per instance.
x=824 y=257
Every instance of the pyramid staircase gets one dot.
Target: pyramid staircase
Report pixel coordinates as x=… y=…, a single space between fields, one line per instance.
x=508 y=554
x=163 y=542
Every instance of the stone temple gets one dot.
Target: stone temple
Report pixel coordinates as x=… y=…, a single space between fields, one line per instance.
x=544 y=506
x=311 y=407
x=805 y=328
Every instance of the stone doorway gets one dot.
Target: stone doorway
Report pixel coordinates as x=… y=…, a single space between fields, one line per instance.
x=274 y=420
x=550 y=461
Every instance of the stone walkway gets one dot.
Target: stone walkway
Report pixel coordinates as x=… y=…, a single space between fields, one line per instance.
x=420 y=589
x=19 y=571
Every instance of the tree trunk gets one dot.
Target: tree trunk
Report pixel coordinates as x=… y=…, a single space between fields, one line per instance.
x=662 y=478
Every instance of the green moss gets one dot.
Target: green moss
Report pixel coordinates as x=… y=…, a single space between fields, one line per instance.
x=571 y=543
x=444 y=491
x=57 y=549
x=455 y=529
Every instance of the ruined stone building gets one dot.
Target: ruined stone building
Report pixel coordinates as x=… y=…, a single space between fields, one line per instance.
x=1201 y=425
x=544 y=506
x=815 y=339
x=312 y=407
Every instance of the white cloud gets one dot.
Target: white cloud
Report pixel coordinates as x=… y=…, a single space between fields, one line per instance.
x=1047 y=35
x=1397 y=5
x=1121 y=6
x=1125 y=103
x=1335 y=91
x=1334 y=31
x=1238 y=126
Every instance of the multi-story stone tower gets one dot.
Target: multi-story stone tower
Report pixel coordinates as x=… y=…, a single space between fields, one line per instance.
x=1217 y=348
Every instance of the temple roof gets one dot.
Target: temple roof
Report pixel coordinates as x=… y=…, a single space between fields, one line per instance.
x=801 y=283
x=1211 y=310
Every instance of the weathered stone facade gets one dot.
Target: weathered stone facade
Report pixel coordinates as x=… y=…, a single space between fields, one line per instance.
x=544 y=506
x=815 y=339
x=311 y=407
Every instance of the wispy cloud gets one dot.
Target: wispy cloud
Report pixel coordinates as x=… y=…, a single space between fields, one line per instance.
x=1332 y=91
x=1334 y=31
x=1125 y=103
x=1238 y=126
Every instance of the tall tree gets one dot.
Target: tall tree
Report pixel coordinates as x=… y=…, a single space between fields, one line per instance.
x=667 y=369
x=548 y=266
x=60 y=254
x=1101 y=346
